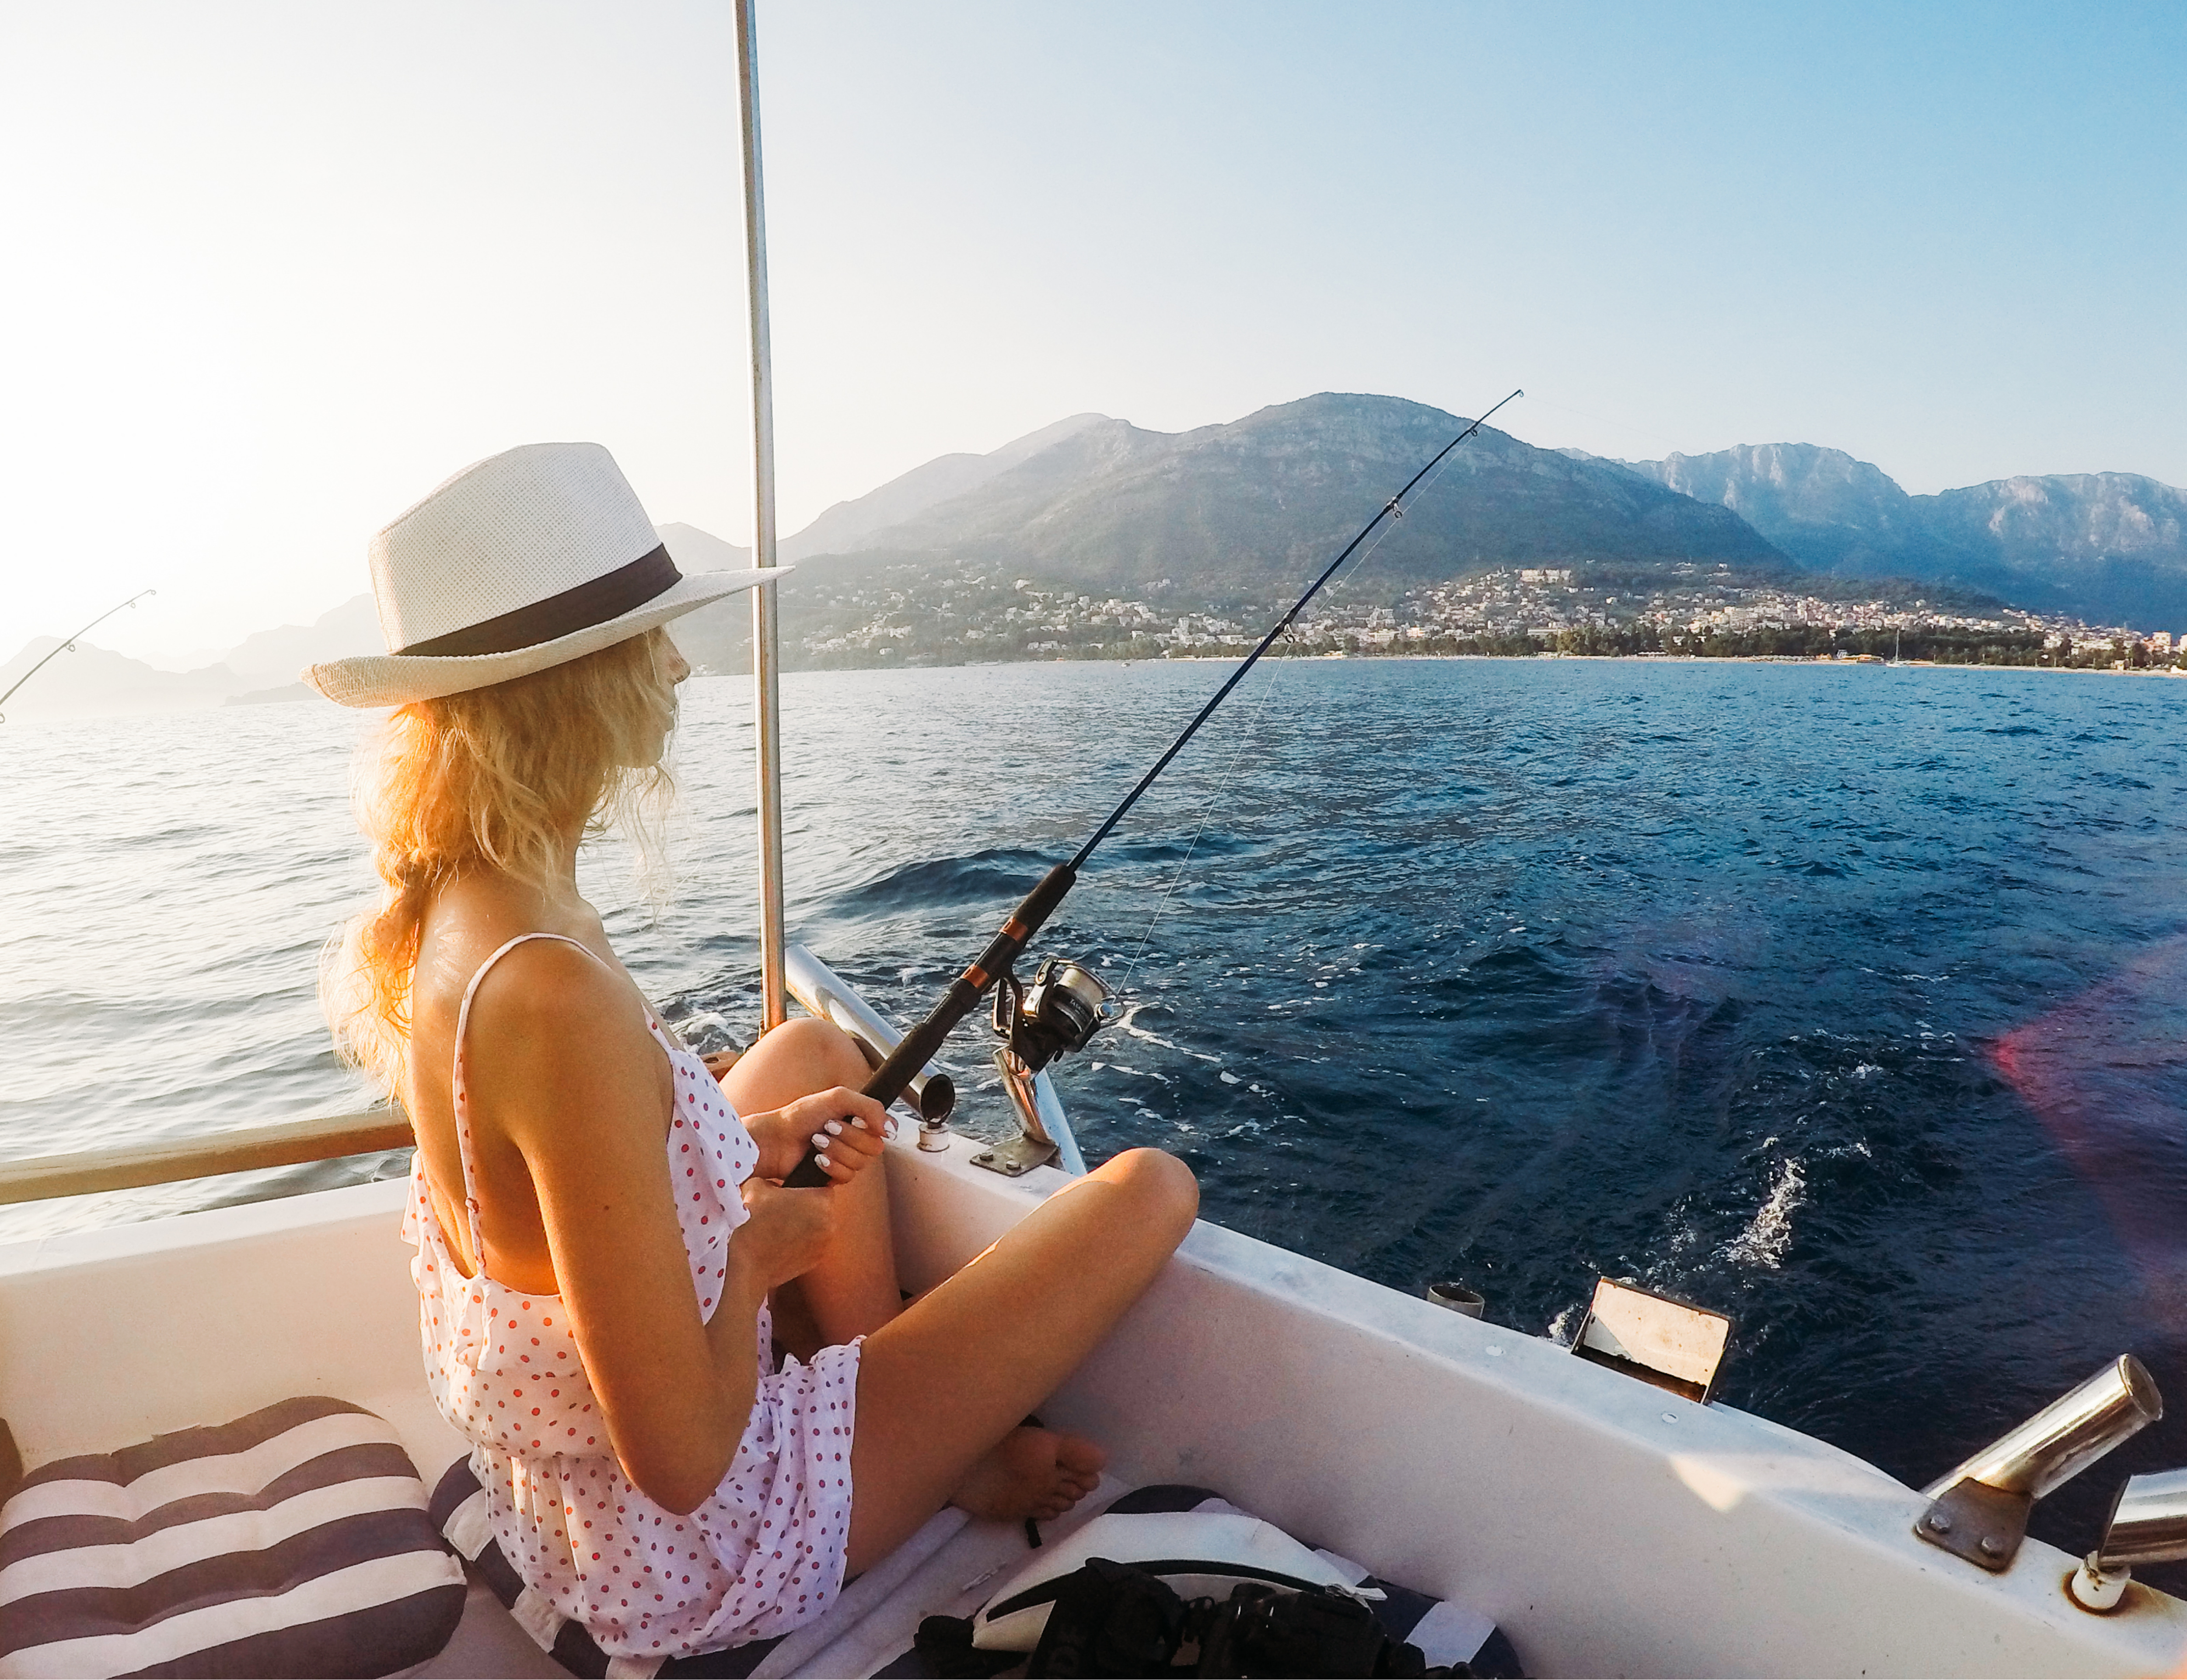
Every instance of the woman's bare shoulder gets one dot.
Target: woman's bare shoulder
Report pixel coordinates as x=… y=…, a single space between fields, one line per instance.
x=540 y=985
x=554 y=1023
x=470 y=920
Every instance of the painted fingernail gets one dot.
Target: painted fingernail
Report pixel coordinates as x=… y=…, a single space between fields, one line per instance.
x=820 y=1141
x=888 y=1128
x=834 y=1128
x=823 y=1160
x=860 y=1124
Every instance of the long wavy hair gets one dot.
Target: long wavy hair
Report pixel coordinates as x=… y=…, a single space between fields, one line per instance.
x=496 y=778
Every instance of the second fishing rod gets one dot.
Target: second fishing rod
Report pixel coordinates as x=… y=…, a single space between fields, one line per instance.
x=1063 y=1008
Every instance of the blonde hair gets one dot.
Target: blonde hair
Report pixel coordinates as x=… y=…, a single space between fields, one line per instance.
x=496 y=778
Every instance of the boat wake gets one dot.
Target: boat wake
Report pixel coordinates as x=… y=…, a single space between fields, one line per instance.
x=1769 y=1233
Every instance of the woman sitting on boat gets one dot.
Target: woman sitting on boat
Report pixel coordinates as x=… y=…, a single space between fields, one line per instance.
x=607 y=1263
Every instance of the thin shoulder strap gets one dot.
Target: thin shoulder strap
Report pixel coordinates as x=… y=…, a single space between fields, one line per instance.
x=463 y=1105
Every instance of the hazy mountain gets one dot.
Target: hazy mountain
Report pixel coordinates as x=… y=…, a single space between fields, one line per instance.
x=276 y=658
x=1822 y=506
x=1244 y=511
x=2107 y=547
x=2110 y=546
x=94 y=681
x=850 y=525
x=696 y=550
x=1266 y=498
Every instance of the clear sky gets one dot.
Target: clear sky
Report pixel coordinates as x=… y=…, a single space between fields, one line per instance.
x=273 y=270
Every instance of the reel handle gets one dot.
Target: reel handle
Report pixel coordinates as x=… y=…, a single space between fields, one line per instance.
x=918 y=1045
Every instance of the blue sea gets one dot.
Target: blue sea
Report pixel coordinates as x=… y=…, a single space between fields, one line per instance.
x=1847 y=1000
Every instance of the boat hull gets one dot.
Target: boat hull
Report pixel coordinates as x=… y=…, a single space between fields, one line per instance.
x=1607 y=1526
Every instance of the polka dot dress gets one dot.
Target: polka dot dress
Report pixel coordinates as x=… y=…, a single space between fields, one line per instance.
x=765 y=1554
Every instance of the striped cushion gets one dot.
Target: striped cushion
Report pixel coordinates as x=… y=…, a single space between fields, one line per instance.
x=459 y=1512
x=295 y=1540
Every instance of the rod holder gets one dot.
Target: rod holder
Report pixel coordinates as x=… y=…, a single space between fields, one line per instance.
x=1979 y=1511
x=2147 y=1525
x=1454 y=1296
x=1032 y=1147
x=1044 y=1133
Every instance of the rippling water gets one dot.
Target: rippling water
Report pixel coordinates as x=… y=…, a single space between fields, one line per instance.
x=1846 y=1000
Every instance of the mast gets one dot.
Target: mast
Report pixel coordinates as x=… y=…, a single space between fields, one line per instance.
x=767 y=697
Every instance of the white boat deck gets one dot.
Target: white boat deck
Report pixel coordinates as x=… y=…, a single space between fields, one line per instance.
x=949 y=1568
x=1605 y=1526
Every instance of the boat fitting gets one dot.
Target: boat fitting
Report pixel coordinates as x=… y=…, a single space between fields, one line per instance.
x=1979 y=1511
x=1453 y=1295
x=1670 y=1343
x=1044 y=1133
x=2147 y=1525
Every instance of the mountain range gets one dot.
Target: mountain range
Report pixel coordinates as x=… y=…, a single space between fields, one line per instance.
x=1240 y=513
x=1228 y=516
x=2110 y=548
x=1099 y=504
x=1262 y=500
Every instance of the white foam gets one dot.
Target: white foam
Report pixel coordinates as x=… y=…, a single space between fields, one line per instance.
x=1124 y=1024
x=1769 y=1233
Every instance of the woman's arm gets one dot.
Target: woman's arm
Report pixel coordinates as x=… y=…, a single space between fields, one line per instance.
x=569 y=1092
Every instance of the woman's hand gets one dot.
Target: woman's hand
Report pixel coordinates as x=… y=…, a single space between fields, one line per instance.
x=848 y=1129
x=788 y=1233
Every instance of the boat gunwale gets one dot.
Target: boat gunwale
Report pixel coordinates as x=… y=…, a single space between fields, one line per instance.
x=136 y=1165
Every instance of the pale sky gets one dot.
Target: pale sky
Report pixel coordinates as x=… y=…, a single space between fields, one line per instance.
x=273 y=270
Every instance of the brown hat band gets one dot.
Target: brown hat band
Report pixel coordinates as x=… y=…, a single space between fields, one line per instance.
x=595 y=601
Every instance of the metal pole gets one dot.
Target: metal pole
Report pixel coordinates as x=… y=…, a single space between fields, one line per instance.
x=767 y=697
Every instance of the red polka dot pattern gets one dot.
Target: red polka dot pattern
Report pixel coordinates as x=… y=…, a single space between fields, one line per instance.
x=765 y=1554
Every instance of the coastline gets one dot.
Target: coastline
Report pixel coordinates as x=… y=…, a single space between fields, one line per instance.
x=1592 y=659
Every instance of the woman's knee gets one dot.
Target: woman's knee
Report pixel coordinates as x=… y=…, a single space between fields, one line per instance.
x=828 y=1055
x=1165 y=1196
x=794 y=1060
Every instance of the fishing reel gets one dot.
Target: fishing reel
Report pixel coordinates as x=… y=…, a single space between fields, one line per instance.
x=1065 y=1005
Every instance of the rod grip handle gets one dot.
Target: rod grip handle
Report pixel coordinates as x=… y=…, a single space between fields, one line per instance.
x=918 y=1047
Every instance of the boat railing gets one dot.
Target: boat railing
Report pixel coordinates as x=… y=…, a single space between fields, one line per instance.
x=932 y=1093
x=132 y=1166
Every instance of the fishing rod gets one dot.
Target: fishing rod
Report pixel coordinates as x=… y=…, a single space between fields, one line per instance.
x=68 y=646
x=1064 y=1007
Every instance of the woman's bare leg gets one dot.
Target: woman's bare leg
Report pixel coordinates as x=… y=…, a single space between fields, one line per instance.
x=852 y=1291
x=942 y=1386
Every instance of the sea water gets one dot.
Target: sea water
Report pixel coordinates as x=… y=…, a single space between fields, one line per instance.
x=1846 y=1000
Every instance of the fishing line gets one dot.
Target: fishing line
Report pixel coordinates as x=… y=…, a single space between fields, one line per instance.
x=1252 y=730
x=1036 y=1036
x=1604 y=420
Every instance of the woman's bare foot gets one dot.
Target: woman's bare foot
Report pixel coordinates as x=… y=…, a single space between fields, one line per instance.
x=1030 y=1473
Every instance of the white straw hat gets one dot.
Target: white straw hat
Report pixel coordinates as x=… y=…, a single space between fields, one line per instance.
x=524 y=560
